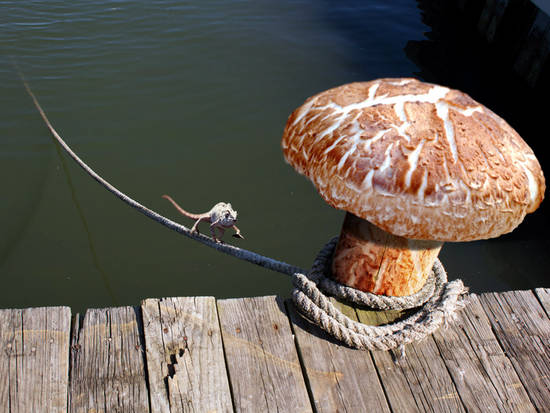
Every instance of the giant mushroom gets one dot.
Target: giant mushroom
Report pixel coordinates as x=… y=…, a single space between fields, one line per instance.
x=414 y=165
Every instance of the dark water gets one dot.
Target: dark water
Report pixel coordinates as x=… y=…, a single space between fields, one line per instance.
x=190 y=98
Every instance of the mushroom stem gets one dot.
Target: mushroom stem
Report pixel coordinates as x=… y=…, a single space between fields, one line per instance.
x=371 y=259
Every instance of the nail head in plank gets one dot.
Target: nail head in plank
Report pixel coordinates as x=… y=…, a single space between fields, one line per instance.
x=34 y=361
x=107 y=362
x=264 y=369
x=185 y=360
x=339 y=378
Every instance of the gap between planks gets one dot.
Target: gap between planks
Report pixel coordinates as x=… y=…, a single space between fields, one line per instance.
x=260 y=355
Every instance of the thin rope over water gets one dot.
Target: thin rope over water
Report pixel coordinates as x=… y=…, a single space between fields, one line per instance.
x=438 y=299
x=436 y=308
x=241 y=253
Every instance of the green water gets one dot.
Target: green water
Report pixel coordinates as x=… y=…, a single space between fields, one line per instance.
x=189 y=99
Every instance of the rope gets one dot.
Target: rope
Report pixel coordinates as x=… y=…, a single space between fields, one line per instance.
x=240 y=253
x=379 y=302
x=436 y=310
x=440 y=299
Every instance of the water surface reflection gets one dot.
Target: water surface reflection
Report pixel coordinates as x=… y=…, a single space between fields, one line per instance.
x=191 y=99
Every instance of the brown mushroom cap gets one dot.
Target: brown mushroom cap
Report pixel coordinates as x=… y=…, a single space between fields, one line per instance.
x=416 y=159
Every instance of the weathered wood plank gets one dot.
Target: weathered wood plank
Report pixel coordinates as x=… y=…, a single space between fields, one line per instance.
x=534 y=49
x=34 y=361
x=483 y=375
x=340 y=379
x=107 y=362
x=523 y=330
x=543 y=295
x=418 y=382
x=185 y=358
x=264 y=370
x=491 y=17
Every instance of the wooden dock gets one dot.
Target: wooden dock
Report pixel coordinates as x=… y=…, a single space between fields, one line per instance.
x=258 y=355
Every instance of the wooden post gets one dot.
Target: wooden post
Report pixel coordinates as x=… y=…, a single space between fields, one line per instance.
x=34 y=359
x=370 y=259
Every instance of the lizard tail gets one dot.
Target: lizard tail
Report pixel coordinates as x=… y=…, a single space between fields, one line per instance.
x=236 y=252
x=181 y=210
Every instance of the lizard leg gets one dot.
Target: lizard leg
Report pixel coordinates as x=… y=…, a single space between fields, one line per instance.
x=213 y=227
x=195 y=226
x=237 y=233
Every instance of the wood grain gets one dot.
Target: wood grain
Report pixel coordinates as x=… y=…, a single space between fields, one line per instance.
x=523 y=330
x=185 y=360
x=340 y=378
x=107 y=359
x=543 y=294
x=34 y=362
x=256 y=354
x=264 y=370
x=417 y=382
x=483 y=375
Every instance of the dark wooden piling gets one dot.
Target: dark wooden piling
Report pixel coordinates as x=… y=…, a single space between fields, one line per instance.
x=520 y=29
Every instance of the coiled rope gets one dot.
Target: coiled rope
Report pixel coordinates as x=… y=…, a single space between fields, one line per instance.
x=438 y=298
x=438 y=301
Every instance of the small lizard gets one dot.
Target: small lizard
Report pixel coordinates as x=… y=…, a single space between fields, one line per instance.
x=221 y=216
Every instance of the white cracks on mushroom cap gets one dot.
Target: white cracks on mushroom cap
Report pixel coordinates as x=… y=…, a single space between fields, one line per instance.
x=468 y=199
x=412 y=160
x=484 y=157
x=372 y=91
x=334 y=145
x=436 y=199
x=355 y=139
x=460 y=199
x=304 y=110
x=302 y=135
x=448 y=181
x=432 y=96
x=319 y=181
x=340 y=113
x=330 y=129
x=421 y=194
x=469 y=111
x=367 y=181
x=442 y=109
x=311 y=119
x=369 y=142
x=387 y=159
x=532 y=183
x=468 y=186
x=399 y=109
x=475 y=185
x=414 y=219
x=501 y=155
x=472 y=171
x=401 y=82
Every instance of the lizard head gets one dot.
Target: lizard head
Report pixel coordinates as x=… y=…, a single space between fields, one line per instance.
x=225 y=214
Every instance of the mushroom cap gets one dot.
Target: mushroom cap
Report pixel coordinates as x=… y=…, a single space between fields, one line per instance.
x=418 y=160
